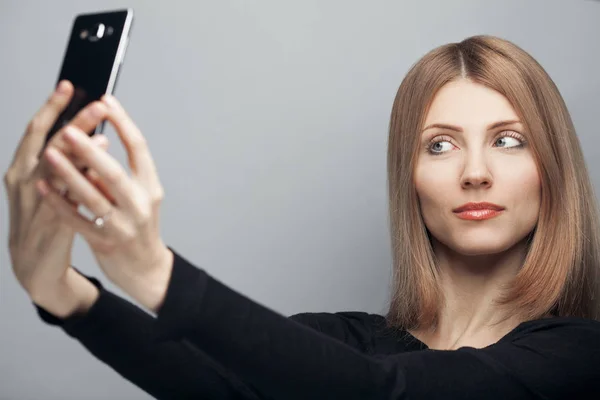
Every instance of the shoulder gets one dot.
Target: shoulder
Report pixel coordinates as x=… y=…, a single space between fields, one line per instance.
x=555 y=356
x=565 y=340
x=582 y=330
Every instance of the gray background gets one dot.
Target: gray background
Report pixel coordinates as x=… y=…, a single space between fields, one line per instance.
x=268 y=123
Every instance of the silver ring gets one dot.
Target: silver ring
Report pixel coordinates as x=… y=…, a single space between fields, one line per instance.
x=100 y=222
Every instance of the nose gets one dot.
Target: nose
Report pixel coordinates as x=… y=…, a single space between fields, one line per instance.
x=476 y=173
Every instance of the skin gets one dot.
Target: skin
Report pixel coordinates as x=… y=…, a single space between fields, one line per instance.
x=476 y=165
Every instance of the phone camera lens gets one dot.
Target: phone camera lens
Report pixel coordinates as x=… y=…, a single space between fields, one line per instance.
x=98 y=32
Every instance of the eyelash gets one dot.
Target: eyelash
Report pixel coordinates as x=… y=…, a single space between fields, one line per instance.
x=439 y=139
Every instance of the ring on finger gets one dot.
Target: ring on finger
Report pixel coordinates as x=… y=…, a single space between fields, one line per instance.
x=100 y=222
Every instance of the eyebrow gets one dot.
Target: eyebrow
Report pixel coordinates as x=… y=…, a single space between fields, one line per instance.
x=459 y=129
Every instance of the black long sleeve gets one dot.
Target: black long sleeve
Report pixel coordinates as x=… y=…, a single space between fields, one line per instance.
x=557 y=358
x=119 y=334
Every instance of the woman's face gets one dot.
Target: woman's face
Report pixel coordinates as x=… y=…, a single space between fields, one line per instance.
x=473 y=159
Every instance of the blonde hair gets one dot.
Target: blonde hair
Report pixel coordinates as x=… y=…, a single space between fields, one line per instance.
x=560 y=272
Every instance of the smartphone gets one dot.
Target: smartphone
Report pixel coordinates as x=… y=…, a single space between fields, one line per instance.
x=93 y=58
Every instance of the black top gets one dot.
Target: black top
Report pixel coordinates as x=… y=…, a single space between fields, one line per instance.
x=211 y=342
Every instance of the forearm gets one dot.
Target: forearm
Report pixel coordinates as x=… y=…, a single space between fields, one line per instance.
x=119 y=333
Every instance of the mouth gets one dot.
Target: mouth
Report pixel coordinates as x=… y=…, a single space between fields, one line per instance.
x=478 y=206
x=478 y=215
x=478 y=211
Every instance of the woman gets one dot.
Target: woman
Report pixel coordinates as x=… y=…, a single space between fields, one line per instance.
x=495 y=240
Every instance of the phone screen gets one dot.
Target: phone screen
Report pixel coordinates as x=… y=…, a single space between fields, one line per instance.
x=94 y=53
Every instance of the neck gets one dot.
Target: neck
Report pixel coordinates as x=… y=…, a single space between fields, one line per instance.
x=470 y=284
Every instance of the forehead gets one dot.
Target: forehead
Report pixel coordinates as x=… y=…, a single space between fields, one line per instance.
x=466 y=103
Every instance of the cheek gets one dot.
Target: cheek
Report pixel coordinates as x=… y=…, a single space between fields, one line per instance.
x=431 y=179
x=434 y=187
x=530 y=191
x=526 y=189
x=519 y=179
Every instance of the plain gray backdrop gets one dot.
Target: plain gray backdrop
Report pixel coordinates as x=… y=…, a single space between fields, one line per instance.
x=268 y=123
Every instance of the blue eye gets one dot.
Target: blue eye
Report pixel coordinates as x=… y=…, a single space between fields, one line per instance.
x=519 y=143
x=437 y=143
x=435 y=146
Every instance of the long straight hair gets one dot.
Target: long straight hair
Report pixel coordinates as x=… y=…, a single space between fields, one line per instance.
x=560 y=274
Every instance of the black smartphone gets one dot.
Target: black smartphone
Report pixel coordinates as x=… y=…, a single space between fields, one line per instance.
x=92 y=60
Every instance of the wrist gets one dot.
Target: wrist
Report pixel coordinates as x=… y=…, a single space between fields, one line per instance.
x=76 y=295
x=150 y=289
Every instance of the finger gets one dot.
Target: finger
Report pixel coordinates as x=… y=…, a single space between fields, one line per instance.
x=139 y=157
x=78 y=185
x=34 y=138
x=68 y=214
x=60 y=186
x=89 y=117
x=96 y=180
x=114 y=176
x=86 y=119
x=99 y=140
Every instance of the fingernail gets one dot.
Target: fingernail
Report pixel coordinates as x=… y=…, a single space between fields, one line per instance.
x=96 y=111
x=100 y=140
x=62 y=87
x=51 y=154
x=110 y=100
x=70 y=133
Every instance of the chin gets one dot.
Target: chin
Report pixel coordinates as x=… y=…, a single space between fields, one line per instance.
x=480 y=243
x=480 y=249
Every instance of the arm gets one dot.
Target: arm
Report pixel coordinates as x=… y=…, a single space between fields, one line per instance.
x=119 y=334
x=287 y=360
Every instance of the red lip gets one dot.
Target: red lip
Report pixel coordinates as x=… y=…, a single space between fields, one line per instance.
x=478 y=206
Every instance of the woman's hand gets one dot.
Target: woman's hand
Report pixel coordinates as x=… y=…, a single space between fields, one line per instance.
x=125 y=236
x=40 y=243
